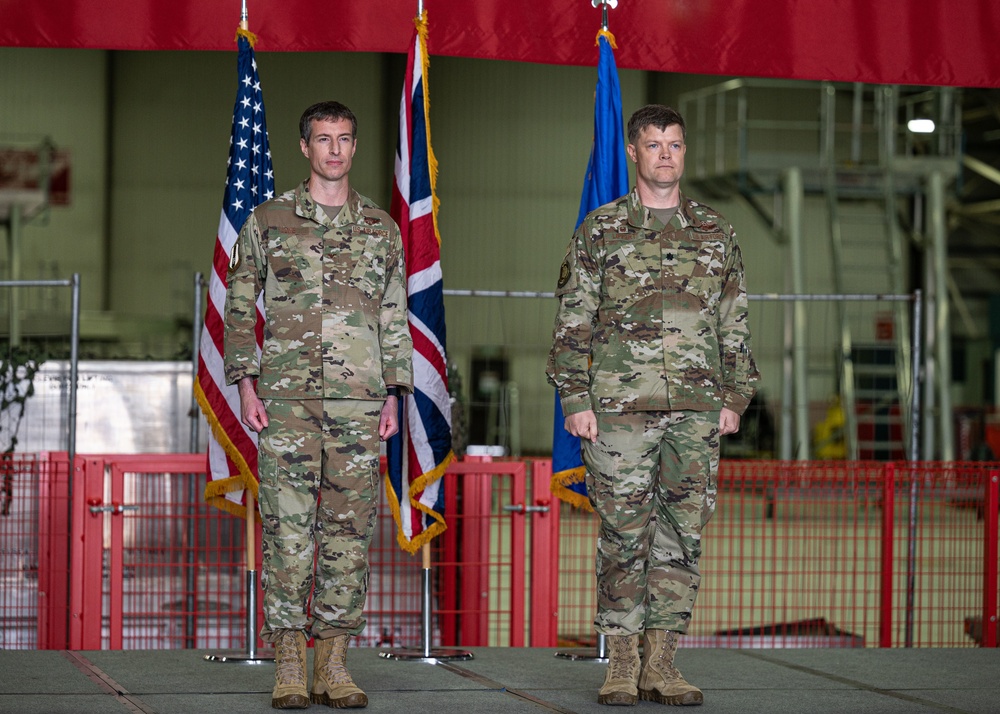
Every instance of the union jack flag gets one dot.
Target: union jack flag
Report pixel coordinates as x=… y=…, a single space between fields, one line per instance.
x=413 y=478
x=232 y=447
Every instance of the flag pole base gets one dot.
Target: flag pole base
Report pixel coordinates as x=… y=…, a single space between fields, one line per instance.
x=426 y=653
x=588 y=654
x=582 y=654
x=252 y=654
x=241 y=658
x=416 y=654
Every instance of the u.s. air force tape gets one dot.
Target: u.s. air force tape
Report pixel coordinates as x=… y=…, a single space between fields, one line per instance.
x=368 y=230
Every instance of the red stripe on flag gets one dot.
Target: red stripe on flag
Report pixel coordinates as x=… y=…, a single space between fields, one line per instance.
x=430 y=352
x=220 y=262
x=214 y=328
x=226 y=417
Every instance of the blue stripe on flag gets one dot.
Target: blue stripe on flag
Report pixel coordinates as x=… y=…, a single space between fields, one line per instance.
x=420 y=174
x=426 y=305
x=437 y=426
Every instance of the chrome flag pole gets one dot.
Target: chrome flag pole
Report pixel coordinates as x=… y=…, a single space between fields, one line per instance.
x=426 y=652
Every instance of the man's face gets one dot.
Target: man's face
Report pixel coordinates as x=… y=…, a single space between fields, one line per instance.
x=330 y=149
x=659 y=156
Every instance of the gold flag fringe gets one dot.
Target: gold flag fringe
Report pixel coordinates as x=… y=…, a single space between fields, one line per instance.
x=425 y=62
x=562 y=480
x=215 y=491
x=434 y=529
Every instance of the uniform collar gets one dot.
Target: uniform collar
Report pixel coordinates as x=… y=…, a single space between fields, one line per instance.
x=640 y=217
x=306 y=207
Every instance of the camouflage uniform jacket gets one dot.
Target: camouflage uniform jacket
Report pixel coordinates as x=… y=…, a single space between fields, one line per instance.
x=652 y=317
x=334 y=301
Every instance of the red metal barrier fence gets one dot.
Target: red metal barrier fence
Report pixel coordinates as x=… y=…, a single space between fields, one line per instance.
x=799 y=554
x=819 y=554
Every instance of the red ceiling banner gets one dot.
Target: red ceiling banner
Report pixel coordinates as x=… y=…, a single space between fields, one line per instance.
x=882 y=41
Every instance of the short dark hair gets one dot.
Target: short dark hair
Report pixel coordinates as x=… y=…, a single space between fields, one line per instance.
x=326 y=111
x=656 y=115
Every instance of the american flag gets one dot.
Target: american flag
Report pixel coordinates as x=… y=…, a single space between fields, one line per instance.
x=414 y=486
x=232 y=447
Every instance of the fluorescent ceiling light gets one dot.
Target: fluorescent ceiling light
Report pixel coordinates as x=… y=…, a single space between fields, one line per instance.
x=921 y=126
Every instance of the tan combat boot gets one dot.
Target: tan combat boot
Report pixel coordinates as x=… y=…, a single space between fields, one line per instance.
x=660 y=681
x=332 y=684
x=290 y=690
x=622 y=677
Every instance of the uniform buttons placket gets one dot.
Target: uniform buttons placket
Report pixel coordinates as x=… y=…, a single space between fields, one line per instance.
x=665 y=301
x=329 y=275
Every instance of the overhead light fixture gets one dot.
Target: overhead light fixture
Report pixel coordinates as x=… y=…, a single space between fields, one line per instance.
x=921 y=126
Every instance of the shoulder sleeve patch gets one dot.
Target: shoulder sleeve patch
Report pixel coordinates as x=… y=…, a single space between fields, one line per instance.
x=235 y=258
x=567 y=276
x=564 y=274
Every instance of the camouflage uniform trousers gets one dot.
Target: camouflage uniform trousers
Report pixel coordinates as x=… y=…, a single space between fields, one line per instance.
x=319 y=480
x=651 y=478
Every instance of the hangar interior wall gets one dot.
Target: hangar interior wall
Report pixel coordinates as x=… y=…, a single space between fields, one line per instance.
x=148 y=133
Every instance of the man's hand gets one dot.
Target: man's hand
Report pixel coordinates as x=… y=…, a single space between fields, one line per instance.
x=584 y=425
x=251 y=407
x=388 y=423
x=729 y=422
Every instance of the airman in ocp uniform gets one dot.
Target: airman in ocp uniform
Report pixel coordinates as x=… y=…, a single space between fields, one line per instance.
x=337 y=355
x=651 y=358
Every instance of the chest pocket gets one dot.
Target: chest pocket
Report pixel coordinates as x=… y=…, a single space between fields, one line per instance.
x=695 y=263
x=293 y=259
x=631 y=267
x=368 y=275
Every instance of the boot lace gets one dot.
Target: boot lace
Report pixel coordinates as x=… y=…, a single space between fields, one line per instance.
x=335 y=669
x=289 y=669
x=622 y=662
x=664 y=660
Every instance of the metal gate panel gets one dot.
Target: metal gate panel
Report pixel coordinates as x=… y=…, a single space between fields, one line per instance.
x=87 y=554
x=544 y=557
x=53 y=551
x=139 y=536
x=489 y=537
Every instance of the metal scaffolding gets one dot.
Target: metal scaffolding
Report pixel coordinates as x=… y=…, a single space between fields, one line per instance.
x=850 y=144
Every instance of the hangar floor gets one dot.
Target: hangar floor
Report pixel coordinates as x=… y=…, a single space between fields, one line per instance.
x=502 y=680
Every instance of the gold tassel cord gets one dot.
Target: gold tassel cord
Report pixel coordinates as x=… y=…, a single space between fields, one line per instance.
x=607 y=34
x=251 y=38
